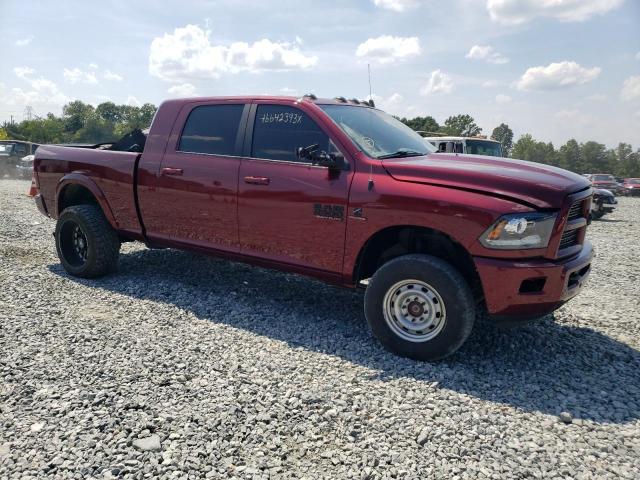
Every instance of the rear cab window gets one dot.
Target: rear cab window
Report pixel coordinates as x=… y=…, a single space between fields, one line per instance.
x=279 y=130
x=212 y=130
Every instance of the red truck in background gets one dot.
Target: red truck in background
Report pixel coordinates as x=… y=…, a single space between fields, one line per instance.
x=336 y=190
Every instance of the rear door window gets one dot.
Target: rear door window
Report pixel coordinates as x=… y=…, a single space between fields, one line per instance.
x=212 y=129
x=279 y=130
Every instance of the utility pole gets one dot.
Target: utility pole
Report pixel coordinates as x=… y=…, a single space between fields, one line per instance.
x=28 y=112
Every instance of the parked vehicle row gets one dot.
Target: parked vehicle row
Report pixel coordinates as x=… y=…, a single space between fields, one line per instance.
x=12 y=154
x=337 y=190
x=616 y=185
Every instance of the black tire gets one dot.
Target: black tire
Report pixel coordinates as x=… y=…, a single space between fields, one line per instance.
x=597 y=214
x=440 y=277
x=86 y=226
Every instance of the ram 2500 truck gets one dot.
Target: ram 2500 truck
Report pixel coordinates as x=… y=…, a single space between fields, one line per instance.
x=336 y=190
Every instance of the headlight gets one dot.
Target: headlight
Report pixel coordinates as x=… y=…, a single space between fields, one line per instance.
x=520 y=230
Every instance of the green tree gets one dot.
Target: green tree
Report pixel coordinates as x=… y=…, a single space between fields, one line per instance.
x=43 y=130
x=624 y=158
x=95 y=130
x=109 y=112
x=75 y=115
x=503 y=134
x=527 y=148
x=569 y=156
x=594 y=158
x=524 y=147
x=423 y=124
x=3 y=134
x=461 y=125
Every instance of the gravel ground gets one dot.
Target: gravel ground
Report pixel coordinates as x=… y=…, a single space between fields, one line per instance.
x=183 y=366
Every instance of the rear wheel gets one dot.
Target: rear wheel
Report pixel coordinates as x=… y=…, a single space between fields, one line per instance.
x=420 y=307
x=86 y=243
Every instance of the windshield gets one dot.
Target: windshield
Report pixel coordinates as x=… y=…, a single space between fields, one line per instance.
x=603 y=178
x=484 y=147
x=376 y=133
x=6 y=148
x=635 y=181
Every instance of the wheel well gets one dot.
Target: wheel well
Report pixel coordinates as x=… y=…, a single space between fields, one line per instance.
x=393 y=242
x=75 y=194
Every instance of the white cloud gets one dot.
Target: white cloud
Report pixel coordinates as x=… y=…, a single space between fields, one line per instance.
x=133 y=101
x=439 y=82
x=556 y=75
x=514 y=12
x=23 y=42
x=42 y=94
x=76 y=75
x=188 y=53
x=487 y=53
x=388 y=49
x=631 y=89
x=22 y=72
x=597 y=97
x=389 y=104
x=182 y=90
x=93 y=65
x=114 y=77
x=396 y=5
x=502 y=99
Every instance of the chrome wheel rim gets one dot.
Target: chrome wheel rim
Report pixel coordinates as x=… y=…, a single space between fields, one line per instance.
x=414 y=311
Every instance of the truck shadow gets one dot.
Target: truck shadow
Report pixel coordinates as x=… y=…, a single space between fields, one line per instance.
x=545 y=367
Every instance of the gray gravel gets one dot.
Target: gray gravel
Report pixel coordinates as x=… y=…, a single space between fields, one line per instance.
x=183 y=366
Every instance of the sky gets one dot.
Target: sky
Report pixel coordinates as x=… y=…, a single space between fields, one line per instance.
x=557 y=69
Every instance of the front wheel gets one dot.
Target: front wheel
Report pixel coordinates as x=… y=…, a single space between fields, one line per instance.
x=597 y=213
x=420 y=307
x=87 y=245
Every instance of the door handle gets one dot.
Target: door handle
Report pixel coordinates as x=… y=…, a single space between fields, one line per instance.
x=257 y=180
x=171 y=171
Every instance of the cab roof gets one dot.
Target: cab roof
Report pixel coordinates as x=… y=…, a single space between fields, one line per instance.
x=304 y=98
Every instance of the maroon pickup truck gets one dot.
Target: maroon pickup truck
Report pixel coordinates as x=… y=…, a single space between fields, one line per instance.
x=336 y=190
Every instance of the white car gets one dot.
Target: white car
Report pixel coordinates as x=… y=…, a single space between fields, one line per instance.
x=24 y=167
x=480 y=145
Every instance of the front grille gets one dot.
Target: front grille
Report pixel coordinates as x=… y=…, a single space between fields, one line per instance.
x=576 y=211
x=569 y=238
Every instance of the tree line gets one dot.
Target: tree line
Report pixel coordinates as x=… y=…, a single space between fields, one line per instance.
x=587 y=157
x=83 y=123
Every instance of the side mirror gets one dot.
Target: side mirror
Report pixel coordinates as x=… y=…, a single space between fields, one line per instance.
x=305 y=152
x=329 y=160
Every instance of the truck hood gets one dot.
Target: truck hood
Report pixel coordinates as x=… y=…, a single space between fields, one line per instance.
x=539 y=185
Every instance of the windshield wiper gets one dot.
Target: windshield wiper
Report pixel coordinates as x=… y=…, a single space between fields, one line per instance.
x=402 y=152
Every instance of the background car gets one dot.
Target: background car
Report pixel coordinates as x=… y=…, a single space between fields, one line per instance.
x=478 y=145
x=24 y=168
x=631 y=187
x=11 y=151
x=605 y=181
x=603 y=202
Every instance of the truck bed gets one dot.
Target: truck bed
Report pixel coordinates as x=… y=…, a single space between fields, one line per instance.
x=112 y=172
